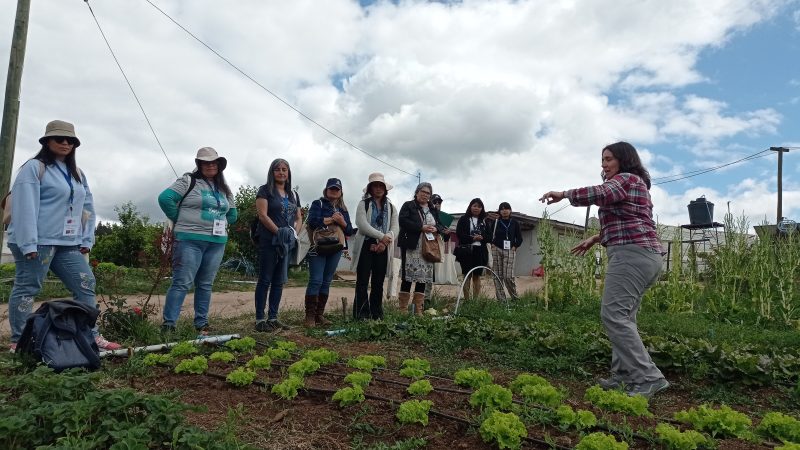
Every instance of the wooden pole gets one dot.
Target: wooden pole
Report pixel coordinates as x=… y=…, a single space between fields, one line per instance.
x=781 y=151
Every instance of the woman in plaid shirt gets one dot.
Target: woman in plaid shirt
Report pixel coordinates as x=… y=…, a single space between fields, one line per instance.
x=628 y=232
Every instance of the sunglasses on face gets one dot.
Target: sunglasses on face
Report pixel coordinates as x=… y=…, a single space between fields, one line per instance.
x=63 y=139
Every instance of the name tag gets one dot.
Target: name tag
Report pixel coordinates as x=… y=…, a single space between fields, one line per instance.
x=506 y=245
x=70 y=226
x=219 y=227
x=429 y=236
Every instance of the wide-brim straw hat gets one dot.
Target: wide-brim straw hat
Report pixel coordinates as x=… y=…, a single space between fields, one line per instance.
x=59 y=128
x=377 y=177
x=208 y=154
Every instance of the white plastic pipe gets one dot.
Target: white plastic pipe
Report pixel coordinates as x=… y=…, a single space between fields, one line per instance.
x=154 y=348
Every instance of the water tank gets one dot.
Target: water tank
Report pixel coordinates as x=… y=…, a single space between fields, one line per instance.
x=701 y=211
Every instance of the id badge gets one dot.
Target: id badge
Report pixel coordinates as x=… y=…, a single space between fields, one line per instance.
x=429 y=236
x=219 y=227
x=70 y=226
x=506 y=245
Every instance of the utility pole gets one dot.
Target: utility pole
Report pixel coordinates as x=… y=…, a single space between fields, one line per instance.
x=8 y=131
x=781 y=151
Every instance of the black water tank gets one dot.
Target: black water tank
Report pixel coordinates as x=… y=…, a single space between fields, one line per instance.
x=701 y=212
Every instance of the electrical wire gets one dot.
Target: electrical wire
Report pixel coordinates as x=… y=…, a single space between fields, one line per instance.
x=130 y=86
x=694 y=173
x=276 y=96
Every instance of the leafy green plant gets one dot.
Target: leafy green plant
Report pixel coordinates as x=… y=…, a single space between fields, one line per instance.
x=367 y=363
x=674 y=439
x=222 y=356
x=471 y=377
x=420 y=388
x=241 y=377
x=152 y=359
x=414 y=411
x=491 y=396
x=780 y=426
x=196 y=365
x=260 y=362
x=542 y=395
x=183 y=349
x=278 y=353
x=289 y=346
x=723 y=421
x=348 y=396
x=618 y=401
x=526 y=379
x=504 y=428
x=788 y=446
x=243 y=345
x=287 y=389
x=360 y=379
x=600 y=441
x=322 y=356
x=303 y=367
x=580 y=420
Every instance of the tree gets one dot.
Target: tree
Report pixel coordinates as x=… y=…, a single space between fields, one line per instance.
x=128 y=243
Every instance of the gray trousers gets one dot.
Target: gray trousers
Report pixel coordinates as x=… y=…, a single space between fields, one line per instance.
x=631 y=270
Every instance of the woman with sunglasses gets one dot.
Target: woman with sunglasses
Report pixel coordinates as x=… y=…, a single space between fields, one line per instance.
x=376 y=219
x=201 y=206
x=52 y=228
x=326 y=213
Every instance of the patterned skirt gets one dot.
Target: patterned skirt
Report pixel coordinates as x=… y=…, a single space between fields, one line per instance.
x=416 y=269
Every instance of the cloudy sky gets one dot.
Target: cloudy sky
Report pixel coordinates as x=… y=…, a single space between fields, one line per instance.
x=501 y=100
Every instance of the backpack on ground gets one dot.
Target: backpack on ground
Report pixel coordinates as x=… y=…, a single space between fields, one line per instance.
x=59 y=334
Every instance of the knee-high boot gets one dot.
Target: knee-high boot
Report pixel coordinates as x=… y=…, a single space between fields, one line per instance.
x=402 y=301
x=419 y=300
x=318 y=317
x=311 y=311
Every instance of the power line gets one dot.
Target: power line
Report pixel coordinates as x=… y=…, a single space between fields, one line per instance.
x=147 y=119
x=694 y=173
x=276 y=96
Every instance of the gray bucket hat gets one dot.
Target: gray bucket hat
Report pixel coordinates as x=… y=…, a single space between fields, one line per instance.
x=209 y=154
x=59 y=128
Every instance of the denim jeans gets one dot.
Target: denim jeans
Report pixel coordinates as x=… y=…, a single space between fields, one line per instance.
x=193 y=262
x=271 y=273
x=320 y=273
x=69 y=265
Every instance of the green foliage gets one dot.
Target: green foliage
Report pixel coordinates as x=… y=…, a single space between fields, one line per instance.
x=196 y=365
x=474 y=378
x=542 y=395
x=278 y=353
x=129 y=243
x=349 y=396
x=360 y=379
x=239 y=233
x=183 y=349
x=222 y=356
x=600 y=441
x=243 y=345
x=506 y=429
x=260 y=362
x=303 y=367
x=367 y=363
x=289 y=346
x=780 y=426
x=788 y=446
x=616 y=401
x=414 y=411
x=580 y=420
x=152 y=359
x=323 y=356
x=241 y=377
x=674 y=439
x=723 y=422
x=412 y=372
x=412 y=443
x=287 y=389
x=526 y=379
x=420 y=388
x=491 y=396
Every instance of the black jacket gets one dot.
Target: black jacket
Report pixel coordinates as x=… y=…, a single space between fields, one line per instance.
x=464 y=232
x=410 y=219
x=498 y=232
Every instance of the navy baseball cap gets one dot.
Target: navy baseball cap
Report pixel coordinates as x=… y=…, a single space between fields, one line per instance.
x=334 y=182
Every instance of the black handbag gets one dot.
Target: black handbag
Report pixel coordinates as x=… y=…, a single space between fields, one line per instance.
x=462 y=251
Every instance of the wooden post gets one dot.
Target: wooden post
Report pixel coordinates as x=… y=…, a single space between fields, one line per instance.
x=781 y=151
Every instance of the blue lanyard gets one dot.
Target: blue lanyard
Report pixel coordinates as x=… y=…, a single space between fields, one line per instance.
x=214 y=192
x=69 y=182
x=506 y=226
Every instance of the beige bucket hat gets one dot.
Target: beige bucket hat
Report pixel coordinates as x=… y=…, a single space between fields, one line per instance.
x=59 y=128
x=209 y=154
x=377 y=177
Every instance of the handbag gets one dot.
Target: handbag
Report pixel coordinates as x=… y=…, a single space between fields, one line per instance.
x=328 y=240
x=431 y=250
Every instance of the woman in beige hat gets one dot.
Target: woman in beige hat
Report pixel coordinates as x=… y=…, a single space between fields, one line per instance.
x=376 y=219
x=201 y=206
x=52 y=227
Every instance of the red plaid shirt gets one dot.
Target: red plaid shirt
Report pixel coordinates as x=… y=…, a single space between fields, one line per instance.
x=626 y=211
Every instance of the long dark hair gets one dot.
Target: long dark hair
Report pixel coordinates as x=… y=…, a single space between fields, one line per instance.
x=482 y=215
x=219 y=179
x=46 y=156
x=271 y=178
x=629 y=161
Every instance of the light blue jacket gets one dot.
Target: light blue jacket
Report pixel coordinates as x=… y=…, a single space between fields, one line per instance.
x=38 y=208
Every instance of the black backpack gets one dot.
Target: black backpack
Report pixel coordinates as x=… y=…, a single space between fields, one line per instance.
x=59 y=334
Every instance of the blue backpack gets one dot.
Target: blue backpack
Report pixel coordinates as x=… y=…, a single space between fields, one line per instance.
x=59 y=334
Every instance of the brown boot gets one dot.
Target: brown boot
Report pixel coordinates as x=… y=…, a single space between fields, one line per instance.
x=311 y=311
x=319 y=318
x=419 y=301
x=402 y=301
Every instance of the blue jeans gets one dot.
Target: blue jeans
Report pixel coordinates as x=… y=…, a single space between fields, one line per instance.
x=69 y=265
x=272 y=270
x=193 y=262
x=321 y=270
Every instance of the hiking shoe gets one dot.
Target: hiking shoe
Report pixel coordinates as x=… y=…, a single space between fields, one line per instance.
x=265 y=326
x=611 y=383
x=279 y=325
x=167 y=329
x=648 y=388
x=12 y=347
x=205 y=330
x=104 y=344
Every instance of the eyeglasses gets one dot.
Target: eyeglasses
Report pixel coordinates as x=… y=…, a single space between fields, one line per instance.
x=63 y=139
